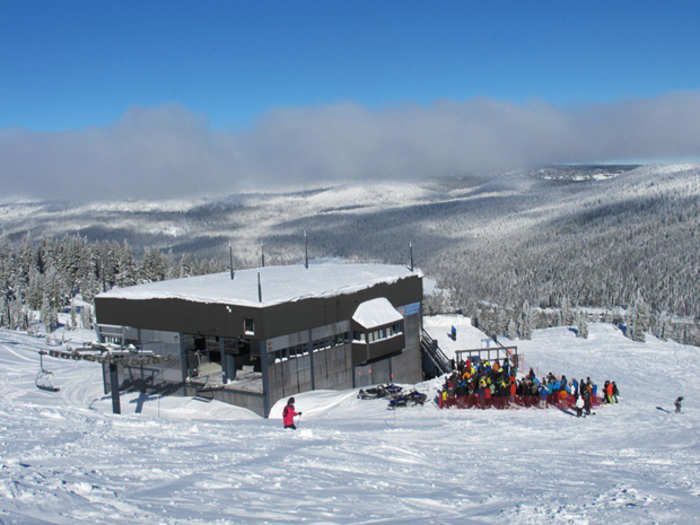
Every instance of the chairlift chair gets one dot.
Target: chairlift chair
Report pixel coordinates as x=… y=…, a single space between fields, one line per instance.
x=44 y=379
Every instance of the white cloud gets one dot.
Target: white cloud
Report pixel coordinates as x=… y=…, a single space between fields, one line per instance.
x=168 y=151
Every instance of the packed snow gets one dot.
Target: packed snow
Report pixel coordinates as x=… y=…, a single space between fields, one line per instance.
x=65 y=458
x=466 y=336
x=278 y=284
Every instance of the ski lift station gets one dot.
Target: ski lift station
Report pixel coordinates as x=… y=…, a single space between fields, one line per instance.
x=255 y=336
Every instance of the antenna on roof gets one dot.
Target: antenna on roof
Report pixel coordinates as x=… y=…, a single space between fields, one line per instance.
x=306 y=250
x=230 y=259
x=259 y=289
x=410 y=250
x=262 y=254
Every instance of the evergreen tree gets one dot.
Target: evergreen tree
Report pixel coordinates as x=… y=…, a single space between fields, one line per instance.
x=511 y=330
x=581 y=324
x=35 y=289
x=4 y=312
x=16 y=315
x=526 y=322
x=86 y=317
x=73 y=317
x=639 y=321
x=126 y=272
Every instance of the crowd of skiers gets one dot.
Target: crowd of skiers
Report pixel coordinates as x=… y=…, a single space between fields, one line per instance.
x=485 y=384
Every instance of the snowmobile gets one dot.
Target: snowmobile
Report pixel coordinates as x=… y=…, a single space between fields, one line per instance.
x=402 y=400
x=44 y=379
x=379 y=391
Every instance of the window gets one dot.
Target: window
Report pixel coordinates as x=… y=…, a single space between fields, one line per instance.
x=359 y=336
x=249 y=326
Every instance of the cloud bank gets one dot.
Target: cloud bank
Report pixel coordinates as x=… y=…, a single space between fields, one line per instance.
x=168 y=151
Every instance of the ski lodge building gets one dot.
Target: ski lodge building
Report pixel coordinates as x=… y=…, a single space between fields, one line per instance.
x=255 y=336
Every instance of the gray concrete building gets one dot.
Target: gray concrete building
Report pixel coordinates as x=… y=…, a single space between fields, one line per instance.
x=263 y=334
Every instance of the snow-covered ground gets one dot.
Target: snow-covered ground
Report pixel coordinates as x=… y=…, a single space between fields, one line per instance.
x=64 y=458
x=467 y=337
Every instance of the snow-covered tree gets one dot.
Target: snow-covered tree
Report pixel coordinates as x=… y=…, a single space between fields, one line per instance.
x=581 y=325
x=49 y=314
x=153 y=267
x=638 y=319
x=525 y=325
x=511 y=329
x=126 y=273
x=86 y=317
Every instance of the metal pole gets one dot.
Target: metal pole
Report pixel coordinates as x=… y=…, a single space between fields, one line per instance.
x=259 y=289
x=265 y=369
x=262 y=255
x=311 y=360
x=410 y=249
x=114 y=383
x=230 y=259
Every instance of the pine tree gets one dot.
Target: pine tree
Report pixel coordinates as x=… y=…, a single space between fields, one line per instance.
x=16 y=314
x=45 y=314
x=4 y=312
x=126 y=267
x=73 y=317
x=566 y=315
x=526 y=322
x=501 y=324
x=153 y=267
x=35 y=289
x=86 y=317
x=511 y=330
x=639 y=322
x=581 y=324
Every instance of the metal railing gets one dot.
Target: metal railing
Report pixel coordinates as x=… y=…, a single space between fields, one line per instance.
x=489 y=354
x=433 y=351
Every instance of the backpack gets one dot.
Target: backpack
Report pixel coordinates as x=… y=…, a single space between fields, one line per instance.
x=285 y=411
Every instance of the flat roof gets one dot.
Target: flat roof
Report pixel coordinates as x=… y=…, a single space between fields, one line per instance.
x=280 y=284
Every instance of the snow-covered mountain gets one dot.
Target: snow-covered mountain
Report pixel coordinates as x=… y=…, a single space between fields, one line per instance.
x=457 y=208
x=599 y=237
x=64 y=458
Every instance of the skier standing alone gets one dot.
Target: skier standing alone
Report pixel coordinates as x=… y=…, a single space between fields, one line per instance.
x=288 y=414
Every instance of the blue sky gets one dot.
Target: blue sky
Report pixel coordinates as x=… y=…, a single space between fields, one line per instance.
x=168 y=99
x=74 y=65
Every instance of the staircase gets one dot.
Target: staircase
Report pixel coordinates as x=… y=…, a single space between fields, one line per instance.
x=435 y=362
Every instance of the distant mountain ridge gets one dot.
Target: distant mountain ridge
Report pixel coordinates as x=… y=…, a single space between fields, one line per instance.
x=594 y=234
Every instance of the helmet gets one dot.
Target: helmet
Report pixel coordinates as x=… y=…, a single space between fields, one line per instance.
x=291 y=400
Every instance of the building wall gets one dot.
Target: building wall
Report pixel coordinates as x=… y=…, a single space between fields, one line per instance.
x=374 y=373
x=407 y=367
x=177 y=315
x=251 y=401
x=332 y=369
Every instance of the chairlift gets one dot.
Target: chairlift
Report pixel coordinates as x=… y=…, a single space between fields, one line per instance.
x=44 y=379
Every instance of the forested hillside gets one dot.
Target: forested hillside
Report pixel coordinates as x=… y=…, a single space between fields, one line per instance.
x=623 y=238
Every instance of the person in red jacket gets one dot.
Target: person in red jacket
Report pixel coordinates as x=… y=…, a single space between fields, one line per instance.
x=609 y=391
x=288 y=414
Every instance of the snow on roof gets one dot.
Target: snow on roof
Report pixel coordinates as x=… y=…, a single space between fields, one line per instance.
x=279 y=284
x=376 y=312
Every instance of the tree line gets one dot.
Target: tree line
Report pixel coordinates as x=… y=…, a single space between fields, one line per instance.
x=46 y=275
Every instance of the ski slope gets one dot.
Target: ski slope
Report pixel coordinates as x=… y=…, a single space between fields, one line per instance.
x=64 y=458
